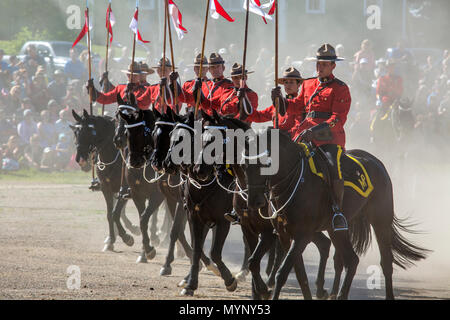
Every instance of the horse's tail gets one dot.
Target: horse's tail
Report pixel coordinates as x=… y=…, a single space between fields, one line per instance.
x=404 y=252
x=360 y=235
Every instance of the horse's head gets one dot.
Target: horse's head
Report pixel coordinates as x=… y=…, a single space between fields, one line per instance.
x=139 y=125
x=214 y=145
x=180 y=154
x=261 y=156
x=164 y=124
x=86 y=138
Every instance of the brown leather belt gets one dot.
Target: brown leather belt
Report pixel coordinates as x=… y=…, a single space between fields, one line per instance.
x=317 y=114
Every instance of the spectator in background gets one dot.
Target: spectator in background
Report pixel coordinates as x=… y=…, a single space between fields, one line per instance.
x=38 y=93
x=46 y=130
x=33 y=153
x=32 y=60
x=27 y=127
x=15 y=101
x=53 y=108
x=58 y=87
x=13 y=63
x=62 y=124
x=74 y=68
x=11 y=153
x=5 y=71
x=366 y=53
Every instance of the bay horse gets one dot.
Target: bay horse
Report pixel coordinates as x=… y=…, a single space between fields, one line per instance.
x=95 y=134
x=205 y=202
x=258 y=232
x=140 y=125
x=307 y=209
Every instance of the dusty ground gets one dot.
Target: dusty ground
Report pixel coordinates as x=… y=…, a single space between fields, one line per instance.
x=45 y=228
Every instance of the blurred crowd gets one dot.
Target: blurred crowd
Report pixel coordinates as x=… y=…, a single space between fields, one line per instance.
x=36 y=104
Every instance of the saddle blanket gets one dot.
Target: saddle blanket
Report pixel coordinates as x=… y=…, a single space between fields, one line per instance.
x=353 y=172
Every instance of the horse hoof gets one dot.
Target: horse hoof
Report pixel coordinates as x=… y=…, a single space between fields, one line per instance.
x=342 y=297
x=128 y=240
x=232 y=287
x=241 y=275
x=213 y=268
x=165 y=271
x=322 y=294
x=108 y=247
x=141 y=259
x=150 y=255
x=187 y=292
x=182 y=283
x=332 y=296
x=135 y=230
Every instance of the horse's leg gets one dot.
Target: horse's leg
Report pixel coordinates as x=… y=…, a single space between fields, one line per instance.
x=383 y=233
x=148 y=252
x=173 y=207
x=128 y=224
x=341 y=242
x=323 y=244
x=154 y=239
x=198 y=235
x=293 y=256
x=165 y=229
x=279 y=255
x=240 y=276
x=270 y=260
x=264 y=243
x=116 y=213
x=220 y=232
x=109 y=241
x=338 y=267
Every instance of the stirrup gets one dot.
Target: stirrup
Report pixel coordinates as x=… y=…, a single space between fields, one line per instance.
x=232 y=217
x=340 y=228
x=95 y=185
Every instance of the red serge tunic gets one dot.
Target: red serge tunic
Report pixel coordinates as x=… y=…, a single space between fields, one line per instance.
x=286 y=122
x=389 y=88
x=230 y=102
x=330 y=102
x=187 y=96
x=111 y=96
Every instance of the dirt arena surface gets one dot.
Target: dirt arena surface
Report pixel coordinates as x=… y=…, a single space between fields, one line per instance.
x=45 y=228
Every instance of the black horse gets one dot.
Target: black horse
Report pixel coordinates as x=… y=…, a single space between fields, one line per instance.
x=205 y=201
x=140 y=124
x=94 y=134
x=258 y=232
x=307 y=203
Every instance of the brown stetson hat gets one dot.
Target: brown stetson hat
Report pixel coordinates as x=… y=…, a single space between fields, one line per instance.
x=290 y=73
x=136 y=68
x=145 y=69
x=327 y=53
x=168 y=64
x=236 y=70
x=215 y=59
x=197 y=61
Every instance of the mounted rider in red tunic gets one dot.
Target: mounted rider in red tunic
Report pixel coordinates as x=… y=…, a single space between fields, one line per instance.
x=324 y=103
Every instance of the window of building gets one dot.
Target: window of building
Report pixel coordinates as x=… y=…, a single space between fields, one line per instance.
x=315 y=6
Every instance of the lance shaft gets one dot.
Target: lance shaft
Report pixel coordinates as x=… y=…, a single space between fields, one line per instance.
x=197 y=102
x=175 y=86
x=107 y=51
x=277 y=100
x=89 y=58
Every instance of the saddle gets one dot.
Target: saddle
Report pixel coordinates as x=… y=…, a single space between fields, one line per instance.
x=353 y=171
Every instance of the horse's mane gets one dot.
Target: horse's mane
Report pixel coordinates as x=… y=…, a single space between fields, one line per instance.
x=238 y=123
